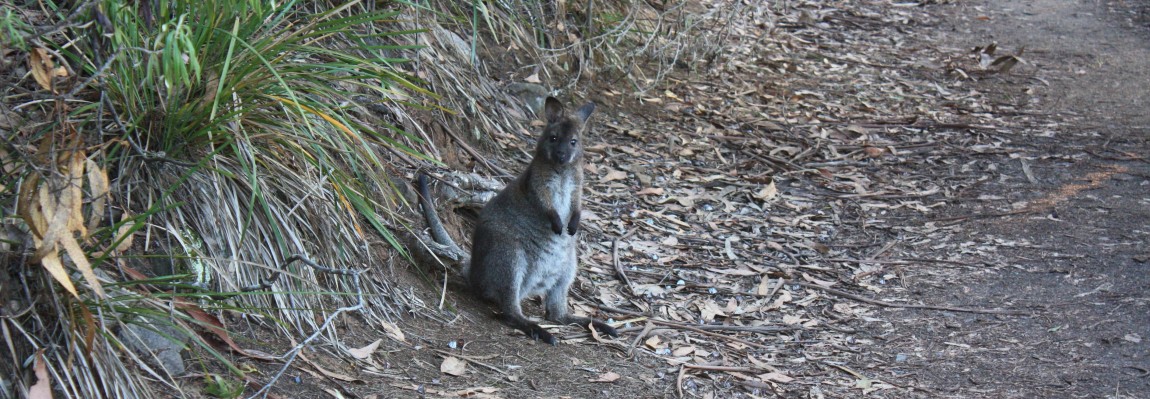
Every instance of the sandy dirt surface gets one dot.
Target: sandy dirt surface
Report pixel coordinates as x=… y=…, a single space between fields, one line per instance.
x=1078 y=257
x=1058 y=235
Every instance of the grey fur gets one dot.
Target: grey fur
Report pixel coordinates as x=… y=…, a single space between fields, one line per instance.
x=525 y=244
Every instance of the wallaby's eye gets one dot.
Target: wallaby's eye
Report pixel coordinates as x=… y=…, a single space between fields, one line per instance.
x=574 y=141
x=554 y=138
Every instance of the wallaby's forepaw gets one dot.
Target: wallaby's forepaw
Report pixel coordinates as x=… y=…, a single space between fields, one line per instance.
x=539 y=334
x=604 y=328
x=556 y=222
x=573 y=225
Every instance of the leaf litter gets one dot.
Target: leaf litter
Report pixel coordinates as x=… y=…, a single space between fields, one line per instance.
x=746 y=219
x=750 y=238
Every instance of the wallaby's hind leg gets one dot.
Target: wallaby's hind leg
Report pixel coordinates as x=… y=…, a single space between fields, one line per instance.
x=506 y=291
x=513 y=315
x=557 y=310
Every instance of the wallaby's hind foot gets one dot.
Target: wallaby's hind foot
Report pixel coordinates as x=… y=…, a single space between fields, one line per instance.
x=588 y=323
x=538 y=333
x=533 y=331
x=603 y=327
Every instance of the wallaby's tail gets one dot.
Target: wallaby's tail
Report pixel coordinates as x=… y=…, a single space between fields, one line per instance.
x=438 y=233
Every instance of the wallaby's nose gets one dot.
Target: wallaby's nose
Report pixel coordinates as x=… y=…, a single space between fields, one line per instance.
x=562 y=155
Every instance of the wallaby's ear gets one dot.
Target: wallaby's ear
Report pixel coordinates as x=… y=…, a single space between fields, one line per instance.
x=553 y=109
x=585 y=111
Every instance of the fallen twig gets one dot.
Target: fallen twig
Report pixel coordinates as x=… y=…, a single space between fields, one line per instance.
x=863 y=299
x=618 y=265
x=635 y=342
x=295 y=350
x=703 y=329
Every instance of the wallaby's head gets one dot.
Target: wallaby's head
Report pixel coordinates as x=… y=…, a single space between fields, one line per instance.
x=562 y=139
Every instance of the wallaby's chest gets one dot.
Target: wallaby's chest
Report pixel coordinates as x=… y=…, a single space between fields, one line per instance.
x=563 y=190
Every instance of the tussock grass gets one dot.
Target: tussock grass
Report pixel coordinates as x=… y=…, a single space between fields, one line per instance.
x=471 y=50
x=231 y=135
x=190 y=148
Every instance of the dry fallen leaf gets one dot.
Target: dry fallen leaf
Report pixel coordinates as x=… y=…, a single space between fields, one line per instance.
x=98 y=188
x=43 y=68
x=650 y=191
x=776 y=377
x=652 y=342
x=475 y=393
x=767 y=192
x=42 y=389
x=609 y=376
x=452 y=365
x=393 y=331
x=366 y=351
x=613 y=175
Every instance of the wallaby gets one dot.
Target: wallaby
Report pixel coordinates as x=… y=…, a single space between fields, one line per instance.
x=524 y=244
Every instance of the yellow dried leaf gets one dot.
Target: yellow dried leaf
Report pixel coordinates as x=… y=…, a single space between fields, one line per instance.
x=98 y=186
x=55 y=267
x=80 y=259
x=73 y=195
x=40 y=62
x=56 y=219
x=683 y=351
x=27 y=209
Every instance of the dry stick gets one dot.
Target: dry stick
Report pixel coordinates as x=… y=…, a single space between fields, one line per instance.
x=765 y=158
x=474 y=154
x=901 y=261
x=958 y=219
x=291 y=355
x=863 y=299
x=686 y=327
x=618 y=265
x=634 y=343
x=720 y=368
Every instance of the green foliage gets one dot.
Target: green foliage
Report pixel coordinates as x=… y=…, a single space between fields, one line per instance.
x=233 y=133
x=222 y=387
x=12 y=29
x=257 y=83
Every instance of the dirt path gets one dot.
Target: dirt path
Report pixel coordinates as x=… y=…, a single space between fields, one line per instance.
x=1050 y=216
x=1077 y=256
